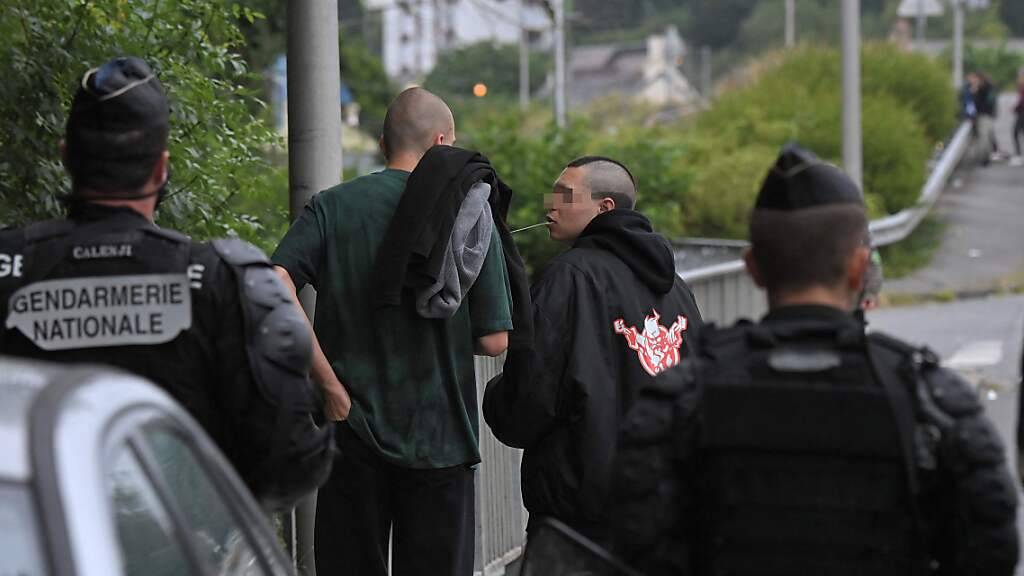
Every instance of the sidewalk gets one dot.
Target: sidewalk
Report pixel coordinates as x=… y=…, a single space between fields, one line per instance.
x=983 y=244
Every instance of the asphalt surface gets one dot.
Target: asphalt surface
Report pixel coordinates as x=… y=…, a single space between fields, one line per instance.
x=983 y=210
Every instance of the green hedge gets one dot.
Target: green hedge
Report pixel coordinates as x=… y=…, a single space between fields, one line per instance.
x=699 y=177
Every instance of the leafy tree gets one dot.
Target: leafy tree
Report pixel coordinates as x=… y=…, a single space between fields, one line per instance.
x=496 y=66
x=361 y=69
x=216 y=141
x=364 y=74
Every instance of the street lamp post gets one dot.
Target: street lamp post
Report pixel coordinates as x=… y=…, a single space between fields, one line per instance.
x=559 y=39
x=852 y=150
x=790 y=23
x=524 y=58
x=314 y=161
x=958 y=43
x=922 y=22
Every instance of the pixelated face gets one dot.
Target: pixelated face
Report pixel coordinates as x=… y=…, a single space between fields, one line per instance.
x=570 y=207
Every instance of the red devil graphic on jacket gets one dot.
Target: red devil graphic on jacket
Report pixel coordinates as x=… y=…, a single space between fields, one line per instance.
x=656 y=346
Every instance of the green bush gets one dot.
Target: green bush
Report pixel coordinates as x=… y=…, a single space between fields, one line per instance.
x=699 y=177
x=999 y=63
x=917 y=82
x=906 y=105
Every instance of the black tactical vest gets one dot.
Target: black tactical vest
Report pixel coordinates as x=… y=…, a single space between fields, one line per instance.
x=114 y=290
x=800 y=467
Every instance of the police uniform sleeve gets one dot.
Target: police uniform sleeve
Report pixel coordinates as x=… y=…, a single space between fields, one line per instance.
x=266 y=351
x=978 y=521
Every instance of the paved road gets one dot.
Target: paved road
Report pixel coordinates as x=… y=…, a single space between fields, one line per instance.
x=984 y=216
x=980 y=338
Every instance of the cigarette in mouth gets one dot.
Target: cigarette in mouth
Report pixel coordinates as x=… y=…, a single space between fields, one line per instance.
x=531 y=226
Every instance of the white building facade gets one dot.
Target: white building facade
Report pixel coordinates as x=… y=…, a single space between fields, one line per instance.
x=416 y=32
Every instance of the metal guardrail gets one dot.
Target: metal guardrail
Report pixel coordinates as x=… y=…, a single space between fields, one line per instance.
x=500 y=516
x=724 y=293
x=892 y=229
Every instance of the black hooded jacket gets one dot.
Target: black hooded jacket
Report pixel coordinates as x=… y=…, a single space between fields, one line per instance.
x=562 y=400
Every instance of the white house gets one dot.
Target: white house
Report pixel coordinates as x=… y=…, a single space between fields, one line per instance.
x=415 y=32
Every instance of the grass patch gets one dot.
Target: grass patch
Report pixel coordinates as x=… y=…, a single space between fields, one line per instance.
x=914 y=252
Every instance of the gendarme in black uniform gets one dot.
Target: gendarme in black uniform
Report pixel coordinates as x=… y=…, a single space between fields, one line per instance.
x=210 y=323
x=800 y=445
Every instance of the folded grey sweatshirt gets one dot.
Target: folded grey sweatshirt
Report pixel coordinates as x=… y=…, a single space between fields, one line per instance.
x=463 y=258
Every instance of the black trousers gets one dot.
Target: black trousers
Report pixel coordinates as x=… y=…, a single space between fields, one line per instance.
x=1018 y=132
x=430 y=514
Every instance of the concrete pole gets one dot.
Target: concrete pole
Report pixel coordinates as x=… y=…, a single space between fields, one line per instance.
x=790 y=23
x=852 y=150
x=958 y=43
x=314 y=158
x=922 y=22
x=524 y=58
x=559 y=39
x=705 y=73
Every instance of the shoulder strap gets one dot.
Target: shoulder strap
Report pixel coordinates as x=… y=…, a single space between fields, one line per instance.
x=41 y=231
x=39 y=263
x=902 y=402
x=239 y=253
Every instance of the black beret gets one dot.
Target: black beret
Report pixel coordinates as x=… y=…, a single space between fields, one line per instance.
x=119 y=112
x=799 y=180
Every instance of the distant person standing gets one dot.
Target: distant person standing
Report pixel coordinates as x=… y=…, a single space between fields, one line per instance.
x=1018 y=125
x=976 y=107
x=988 y=111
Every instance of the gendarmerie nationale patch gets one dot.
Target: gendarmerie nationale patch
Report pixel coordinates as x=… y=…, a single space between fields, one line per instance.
x=102 y=311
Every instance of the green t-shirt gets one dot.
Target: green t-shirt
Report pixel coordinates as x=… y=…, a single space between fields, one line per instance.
x=412 y=381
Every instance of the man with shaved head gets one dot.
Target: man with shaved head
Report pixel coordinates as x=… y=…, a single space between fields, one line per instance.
x=610 y=317
x=415 y=121
x=402 y=386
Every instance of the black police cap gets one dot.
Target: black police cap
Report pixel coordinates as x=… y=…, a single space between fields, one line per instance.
x=799 y=180
x=119 y=112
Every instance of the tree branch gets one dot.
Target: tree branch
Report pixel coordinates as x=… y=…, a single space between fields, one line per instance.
x=78 y=24
x=152 y=21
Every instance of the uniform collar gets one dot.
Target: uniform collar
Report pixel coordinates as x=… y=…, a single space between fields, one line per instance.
x=83 y=211
x=808 y=312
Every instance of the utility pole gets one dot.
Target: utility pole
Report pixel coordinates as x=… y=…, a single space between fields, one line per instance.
x=705 y=73
x=922 y=21
x=314 y=163
x=524 y=57
x=852 y=150
x=958 y=43
x=559 y=39
x=790 y=23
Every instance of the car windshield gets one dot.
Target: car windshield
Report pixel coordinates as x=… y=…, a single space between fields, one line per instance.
x=21 y=550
